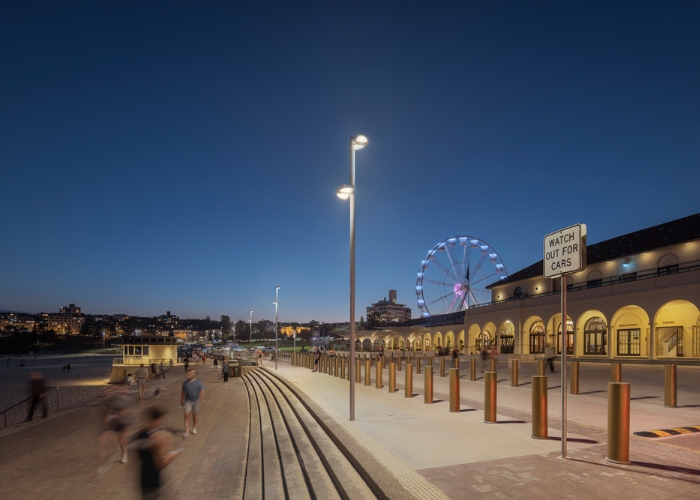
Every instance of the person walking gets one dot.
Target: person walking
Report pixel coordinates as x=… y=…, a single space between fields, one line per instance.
x=187 y=364
x=117 y=420
x=68 y=368
x=224 y=368
x=38 y=390
x=191 y=398
x=484 y=359
x=141 y=378
x=216 y=362
x=260 y=356
x=317 y=358
x=154 y=453
x=455 y=357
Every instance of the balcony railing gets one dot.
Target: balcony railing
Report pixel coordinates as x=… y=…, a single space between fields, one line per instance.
x=613 y=280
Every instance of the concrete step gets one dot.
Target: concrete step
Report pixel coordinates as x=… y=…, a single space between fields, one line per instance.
x=254 y=469
x=336 y=465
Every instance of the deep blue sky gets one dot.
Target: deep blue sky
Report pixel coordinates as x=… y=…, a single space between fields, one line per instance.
x=184 y=156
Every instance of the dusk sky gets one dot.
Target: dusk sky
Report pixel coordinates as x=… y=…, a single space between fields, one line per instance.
x=184 y=156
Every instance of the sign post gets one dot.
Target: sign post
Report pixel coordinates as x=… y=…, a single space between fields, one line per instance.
x=564 y=253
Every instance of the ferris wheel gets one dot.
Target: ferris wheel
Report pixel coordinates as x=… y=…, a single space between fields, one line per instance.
x=455 y=273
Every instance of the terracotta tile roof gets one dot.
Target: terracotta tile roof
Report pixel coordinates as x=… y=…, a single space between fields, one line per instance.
x=644 y=240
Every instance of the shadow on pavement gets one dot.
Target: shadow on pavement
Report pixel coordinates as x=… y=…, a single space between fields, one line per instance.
x=574 y=440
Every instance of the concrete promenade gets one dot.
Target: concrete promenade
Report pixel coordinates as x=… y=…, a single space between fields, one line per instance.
x=431 y=452
x=466 y=458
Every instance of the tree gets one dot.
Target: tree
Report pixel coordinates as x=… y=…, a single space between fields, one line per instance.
x=225 y=323
x=240 y=328
x=374 y=320
x=361 y=325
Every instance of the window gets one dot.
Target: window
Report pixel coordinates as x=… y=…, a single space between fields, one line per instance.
x=518 y=294
x=569 y=337
x=594 y=336
x=666 y=270
x=628 y=277
x=537 y=338
x=628 y=342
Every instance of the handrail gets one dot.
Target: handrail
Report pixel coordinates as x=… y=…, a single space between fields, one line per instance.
x=4 y=412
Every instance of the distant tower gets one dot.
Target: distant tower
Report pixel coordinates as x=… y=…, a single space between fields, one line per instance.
x=392 y=296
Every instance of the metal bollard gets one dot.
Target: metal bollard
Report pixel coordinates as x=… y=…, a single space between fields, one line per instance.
x=490 y=395
x=399 y=363
x=618 y=423
x=392 y=377
x=430 y=361
x=442 y=367
x=337 y=366
x=378 y=375
x=368 y=371
x=493 y=365
x=540 y=425
x=454 y=390
x=419 y=363
x=358 y=372
x=428 y=385
x=514 y=373
x=616 y=372
x=342 y=367
x=455 y=362
x=670 y=388
x=574 y=377
x=472 y=369
x=540 y=367
x=409 y=381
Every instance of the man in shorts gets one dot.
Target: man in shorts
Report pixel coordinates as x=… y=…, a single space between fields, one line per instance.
x=192 y=396
x=141 y=377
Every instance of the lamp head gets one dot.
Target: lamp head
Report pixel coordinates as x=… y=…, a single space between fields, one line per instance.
x=358 y=142
x=345 y=191
x=277 y=287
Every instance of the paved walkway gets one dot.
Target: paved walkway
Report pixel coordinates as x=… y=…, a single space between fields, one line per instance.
x=56 y=458
x=434 y=453
x=466 y=458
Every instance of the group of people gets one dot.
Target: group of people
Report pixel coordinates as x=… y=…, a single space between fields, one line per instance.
x=153 y=440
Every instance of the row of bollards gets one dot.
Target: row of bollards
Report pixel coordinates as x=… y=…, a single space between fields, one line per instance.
x=618 y=392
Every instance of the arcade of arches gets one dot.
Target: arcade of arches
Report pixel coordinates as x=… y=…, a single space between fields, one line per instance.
x=671 y=330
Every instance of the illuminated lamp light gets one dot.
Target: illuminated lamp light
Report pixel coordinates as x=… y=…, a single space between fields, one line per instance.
x=345 y=191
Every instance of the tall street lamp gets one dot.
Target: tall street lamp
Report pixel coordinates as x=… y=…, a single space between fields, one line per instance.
x=344 y=192
x=251 y=327
x=276 y=302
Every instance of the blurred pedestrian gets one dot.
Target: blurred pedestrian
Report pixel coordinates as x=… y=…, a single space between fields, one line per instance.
x=154 y=373
x=118 y=417
x=260 y=357
x=187 y=364
x=141 y=378
x=154 y=452
x=191 y=398
x=317 y=359
x=68 y=368
x=38 y=390
x=64 y=368
x=224 y=369
x=216 y=362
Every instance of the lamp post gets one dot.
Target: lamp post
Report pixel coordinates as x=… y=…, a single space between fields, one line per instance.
x=277 y=300
x=251 y=327
x=103 y=341
x=344 y=192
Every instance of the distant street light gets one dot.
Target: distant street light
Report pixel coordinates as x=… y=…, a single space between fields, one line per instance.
x=251 y=327
x=344 y=192
x=103 y=341
x=277 y=300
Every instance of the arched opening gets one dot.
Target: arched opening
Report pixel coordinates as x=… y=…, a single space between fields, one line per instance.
x=595 y=333
x=449 y=341
x=474 y=332
x=538 y=340
x=507 y=337
x=426 y=342
x=569 y=337
x=629 y=332
x=677 y=332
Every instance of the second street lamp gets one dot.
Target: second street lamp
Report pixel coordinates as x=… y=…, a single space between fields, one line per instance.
x=344 y=192
x=251 y=327
x=276 y=302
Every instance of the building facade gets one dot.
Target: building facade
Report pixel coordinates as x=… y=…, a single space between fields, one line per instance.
x=638 y=298
x=389 y=310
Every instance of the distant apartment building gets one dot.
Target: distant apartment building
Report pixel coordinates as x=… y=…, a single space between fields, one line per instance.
x=69 y=320
x=389 y=310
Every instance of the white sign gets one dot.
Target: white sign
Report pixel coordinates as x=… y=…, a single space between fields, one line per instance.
x=565 y=251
